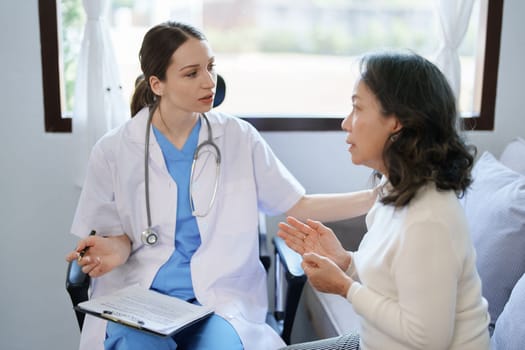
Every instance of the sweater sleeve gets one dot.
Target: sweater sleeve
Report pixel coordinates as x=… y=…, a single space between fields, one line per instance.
x=351 y=270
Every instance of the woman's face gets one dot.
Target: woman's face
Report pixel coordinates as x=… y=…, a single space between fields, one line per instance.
x=368 y=129
x=190 y=79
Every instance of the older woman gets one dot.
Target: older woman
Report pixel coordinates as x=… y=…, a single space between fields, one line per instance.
x=413 y=280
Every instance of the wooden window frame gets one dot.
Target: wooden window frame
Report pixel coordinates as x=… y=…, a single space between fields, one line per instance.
x=55 y=122
x=491 y=19
x=53 y=116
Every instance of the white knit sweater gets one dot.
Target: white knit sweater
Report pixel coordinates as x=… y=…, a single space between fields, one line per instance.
x=418 y=287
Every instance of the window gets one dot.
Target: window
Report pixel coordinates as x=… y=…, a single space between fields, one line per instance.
x=285 y=60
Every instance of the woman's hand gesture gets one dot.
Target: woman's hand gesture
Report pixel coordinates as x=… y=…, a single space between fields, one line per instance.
x=313 y=236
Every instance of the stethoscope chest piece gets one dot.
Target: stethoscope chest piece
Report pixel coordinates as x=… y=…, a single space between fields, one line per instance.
x=149 y=237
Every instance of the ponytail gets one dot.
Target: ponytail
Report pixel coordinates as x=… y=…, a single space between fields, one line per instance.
x=142 y=97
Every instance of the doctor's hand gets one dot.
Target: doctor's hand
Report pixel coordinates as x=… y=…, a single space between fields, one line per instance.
x=103 y=254
x=324 y=275
x=313 y=236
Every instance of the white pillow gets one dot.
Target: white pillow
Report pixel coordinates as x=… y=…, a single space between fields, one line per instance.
x=510 y=328
x=513 y=155
x=495 y=209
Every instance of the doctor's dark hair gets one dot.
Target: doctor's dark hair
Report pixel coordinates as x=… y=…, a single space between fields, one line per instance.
x=158 y=45
x=428 y=147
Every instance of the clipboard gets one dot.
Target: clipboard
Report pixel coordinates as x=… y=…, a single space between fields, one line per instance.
x=146 y=310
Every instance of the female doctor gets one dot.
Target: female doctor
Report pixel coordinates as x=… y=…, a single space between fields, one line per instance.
x=174 y=196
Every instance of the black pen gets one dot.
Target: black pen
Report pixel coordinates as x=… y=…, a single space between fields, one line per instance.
x=84 y=251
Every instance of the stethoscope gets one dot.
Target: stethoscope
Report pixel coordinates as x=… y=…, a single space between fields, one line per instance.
x=149 y=237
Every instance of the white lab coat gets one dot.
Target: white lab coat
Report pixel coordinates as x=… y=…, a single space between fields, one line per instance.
x=226 y=270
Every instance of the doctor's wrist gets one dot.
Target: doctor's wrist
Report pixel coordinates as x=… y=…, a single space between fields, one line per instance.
x=122 y=245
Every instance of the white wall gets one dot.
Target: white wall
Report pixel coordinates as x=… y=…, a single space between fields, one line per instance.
x=38 y=195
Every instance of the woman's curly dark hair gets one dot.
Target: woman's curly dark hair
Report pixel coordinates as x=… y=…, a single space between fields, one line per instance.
x=428 y=148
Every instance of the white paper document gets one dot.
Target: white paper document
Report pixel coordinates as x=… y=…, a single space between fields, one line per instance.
x=146 y=309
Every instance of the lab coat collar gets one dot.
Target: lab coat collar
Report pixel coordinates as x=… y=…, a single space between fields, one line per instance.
x=136 y=133
x=137 y=126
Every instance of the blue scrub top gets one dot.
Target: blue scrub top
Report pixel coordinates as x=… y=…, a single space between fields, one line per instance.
x=174 y=277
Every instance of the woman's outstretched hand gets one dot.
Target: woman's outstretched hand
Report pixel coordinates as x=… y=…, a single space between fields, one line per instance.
x=103 y=254
x=313 y=236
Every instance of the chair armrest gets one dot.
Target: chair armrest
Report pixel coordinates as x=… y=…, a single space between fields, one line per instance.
x=75 y=277
x=77 y=286
x=289 y=283
x=291 y=260
x=264 y=256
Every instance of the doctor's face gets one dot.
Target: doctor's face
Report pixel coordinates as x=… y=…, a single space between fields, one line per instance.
x=190 y=78
x=368 y=129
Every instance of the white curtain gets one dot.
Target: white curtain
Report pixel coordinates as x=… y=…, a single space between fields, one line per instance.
x=99 y=103
x=454 y=16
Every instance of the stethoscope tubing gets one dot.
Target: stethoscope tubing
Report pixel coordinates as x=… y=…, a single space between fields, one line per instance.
x=150 y=237
x=146 y=166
